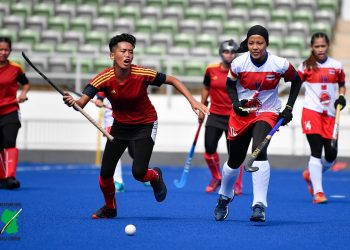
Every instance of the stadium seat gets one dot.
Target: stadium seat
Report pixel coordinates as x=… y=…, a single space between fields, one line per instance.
x=206 y=41
x=194 y=68
x=281 y=15
x=150 y=63
x=44 y=47
x=94 y=2
x=36 y=23
x=197 y=14
x=108 y=11
x=328 y=5
x=219 y=14
x=130 y=12
x=21 y=9
x=298 y=29
x=259 y=15
x=309 y=5
x=4 y=9
x=303 y=16
x=201 y=52
x=103 y=24
x=74 y=37
x=157 y=3
x=247 y=4
x=44 y=9
x=294 y=42
x=14 y=22
x=275 y=43
x=89 y=49
x=236 y=28
x=285 y=4
x=20 y=46
x=189 y=26
x=80 y=24
x=179 y=3
x=66 y=48
x=18 y=59
x=101 y=64
x=67 y=11
x=145 y=25
x=220 y=4
x=198 y=3
x=29 y=36
x=238 y=14
x=321 y=27
x=51 y=36
x=162 y=39
x=151 y=12
x=85 y=10
x=123 y=25
x=184 y=40
x=142 y=39
x=40 y=62
x=11 y=33
x=86 y=65
x=173 y=12
x=263 y=4
x=96 y=38
x=173 y=67
x=325 y=16
x=178 y=51
x=213 y=27
x=277 y=28
x=290 y=54
x=58 y=23
x=167 y=26
x=59 y=64
x=155 y=50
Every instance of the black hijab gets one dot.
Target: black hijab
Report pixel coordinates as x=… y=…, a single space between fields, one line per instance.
x=255 y=30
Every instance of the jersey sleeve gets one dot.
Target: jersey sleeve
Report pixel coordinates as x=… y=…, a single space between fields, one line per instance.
x=290 y=73
x=21 y=76
x=301 y=72
x=233 y=72
x=206 y=80
x=341 y=76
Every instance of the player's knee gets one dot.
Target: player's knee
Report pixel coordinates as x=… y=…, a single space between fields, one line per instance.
x=9 y=143
x=331 y=155
x=139 y=174
x=235 y=163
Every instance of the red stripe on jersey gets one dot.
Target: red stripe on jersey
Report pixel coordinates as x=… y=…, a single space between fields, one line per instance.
x=252 y=80
x=323 y=75
x=9 y=86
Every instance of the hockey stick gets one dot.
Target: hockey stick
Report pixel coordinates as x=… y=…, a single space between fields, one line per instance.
x=9 y=222
x=181 y=183
x=91 y=100
x=76 y=106
x=336 y=127
x=248 y=162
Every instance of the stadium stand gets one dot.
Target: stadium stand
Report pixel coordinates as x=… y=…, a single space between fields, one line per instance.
x=165 y=29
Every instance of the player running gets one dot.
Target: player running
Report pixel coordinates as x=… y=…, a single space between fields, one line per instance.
x=135 y=118
x=322 y=76
x=11 y=74
x=220 y=108
x=256 y=74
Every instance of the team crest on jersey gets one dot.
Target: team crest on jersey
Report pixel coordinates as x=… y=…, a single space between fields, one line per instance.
x=270 y=77
x=325 y=98
x=331 y=71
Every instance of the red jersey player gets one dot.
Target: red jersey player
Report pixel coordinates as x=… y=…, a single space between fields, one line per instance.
x=252 y=84
x=135 y=118
x=10 y=75
x=322 y=76
x=220 y=108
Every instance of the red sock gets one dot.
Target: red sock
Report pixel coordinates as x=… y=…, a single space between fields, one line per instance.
x=213 y=164
x=11 y=160
x=3 y=169
x=108 y=190
x=151 y=175
x=239 y=178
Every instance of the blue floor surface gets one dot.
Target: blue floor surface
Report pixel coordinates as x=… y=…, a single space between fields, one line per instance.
x=58 y=200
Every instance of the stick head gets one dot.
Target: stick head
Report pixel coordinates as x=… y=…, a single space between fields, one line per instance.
x=248 y=164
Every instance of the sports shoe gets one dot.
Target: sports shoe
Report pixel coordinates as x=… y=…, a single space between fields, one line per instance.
x=119 y=187
x=105 y=213
x=237 y=188
x=213 y=185
x=319 y=198
x=159 y=187
x=3 y=183
x=258 y=213
x=339 y=166
x=221 y=209
x=12 y=183
x=306 y=175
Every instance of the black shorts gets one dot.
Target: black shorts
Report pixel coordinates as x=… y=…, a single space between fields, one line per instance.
x=218 y=121
x=13 y=117
x=131 y=132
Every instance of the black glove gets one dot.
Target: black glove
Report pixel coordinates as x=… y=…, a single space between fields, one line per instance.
x=286 y=114
x=239 y=108
x=341 y=100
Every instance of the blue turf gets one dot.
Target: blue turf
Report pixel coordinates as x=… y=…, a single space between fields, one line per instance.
x=58 y=200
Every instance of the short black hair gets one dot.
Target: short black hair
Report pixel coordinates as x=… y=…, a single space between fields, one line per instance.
x=5 y=39
x=122 y=38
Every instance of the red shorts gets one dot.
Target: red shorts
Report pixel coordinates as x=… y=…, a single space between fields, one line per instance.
x=314 y=122
x=238 y=125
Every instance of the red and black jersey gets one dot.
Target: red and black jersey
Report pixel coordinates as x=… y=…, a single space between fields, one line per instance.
x=10 y=76
x=129 y=99
x=215 y=78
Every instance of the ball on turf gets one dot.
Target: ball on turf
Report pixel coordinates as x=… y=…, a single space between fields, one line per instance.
x=130 y=229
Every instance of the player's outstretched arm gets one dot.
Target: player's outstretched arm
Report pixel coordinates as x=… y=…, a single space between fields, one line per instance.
x=69 y=100
x=196 y=106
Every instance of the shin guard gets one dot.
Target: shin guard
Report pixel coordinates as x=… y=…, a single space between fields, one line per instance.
x=213 y=162
x=11 y=160
x=108 y=190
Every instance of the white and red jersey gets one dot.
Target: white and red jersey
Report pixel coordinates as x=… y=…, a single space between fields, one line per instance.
x=215 y=79
x=321 y=85
x=261 y=81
